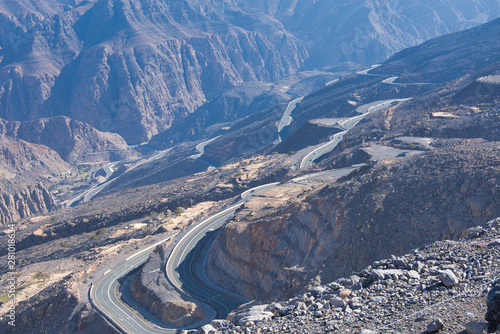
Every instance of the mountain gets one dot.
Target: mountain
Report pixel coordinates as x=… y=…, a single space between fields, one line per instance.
x=133 y=67
x=74 y=141
x=442 y=179
x=369 y=31
x=448 y=57
x=24 y=169
x=140 y=67
x=24 y=163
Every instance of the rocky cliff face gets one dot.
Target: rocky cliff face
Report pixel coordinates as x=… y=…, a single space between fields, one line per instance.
x=271 y=249
x=404 y=294
x=24 y=167
x=33 y=200
x=22 y=161
x=369 y=31
x=74 y=141
x=75 y=61
x=58 y=308
x=139 y=67
x=154 y=292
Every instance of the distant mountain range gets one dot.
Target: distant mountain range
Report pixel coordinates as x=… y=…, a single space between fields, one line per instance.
x=139 y=67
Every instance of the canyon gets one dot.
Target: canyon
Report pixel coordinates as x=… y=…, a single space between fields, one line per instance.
x=125 y=125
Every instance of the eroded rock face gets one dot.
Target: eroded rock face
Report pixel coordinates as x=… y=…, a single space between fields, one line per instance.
x=151 y=289
x=31 y=201
x=176 y=56
x=371 y=30
x=271 y=249
x=57 y=309
x=74 y=141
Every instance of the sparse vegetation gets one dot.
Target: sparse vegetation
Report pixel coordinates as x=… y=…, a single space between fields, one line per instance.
x=100 y=231
x=179 y=211
x=238 y=174
x=64 y=244
x=42 y=276
x=148 y=231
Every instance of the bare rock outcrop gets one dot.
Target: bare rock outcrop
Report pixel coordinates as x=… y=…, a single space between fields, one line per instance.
x=34 y=200
x=151 y=289
x=74 y=141
x=385 y=209
x=73 y=60
x=56 y=309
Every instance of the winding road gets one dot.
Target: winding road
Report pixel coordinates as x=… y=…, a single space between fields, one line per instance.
x=201 y=148
x=105 y=297
x=88 y=194
x=347 y=125
x=286 y=119
x=180 y=271
x=182 y=268
x=390 y=81
x=491 y=79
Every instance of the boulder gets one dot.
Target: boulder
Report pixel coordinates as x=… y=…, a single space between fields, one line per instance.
x=448 y=278
x=493 y=305
x=435 y=326
x=477 y=328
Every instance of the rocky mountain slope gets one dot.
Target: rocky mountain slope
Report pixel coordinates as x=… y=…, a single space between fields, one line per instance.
x=369 y=31
x=73 y=60
x=441 y=287
x=139 y=67
x=446 y=58
x=314 y=234
x=22 y=162
x=460 y=64
x=25 y=170
x=74 y=141
x=163 y=300
x=34 y=200
x=283 y=242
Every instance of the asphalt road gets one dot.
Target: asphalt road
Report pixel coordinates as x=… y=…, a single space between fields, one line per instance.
x=347 y=125
x=332 y=82
x=201 y=148
x=315 y=154
x=286 y=118
x=88 y=194
x=105 y=297
x=181 y=268
x=390 y=81
x=365 y=72
x=181 y=271
x=492 y=79
x=328 y=174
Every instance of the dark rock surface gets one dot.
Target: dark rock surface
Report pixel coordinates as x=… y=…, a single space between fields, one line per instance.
x=367 y=32
x=446 y=58
x=56 y=309
x=493 y=302
x=177 y=55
